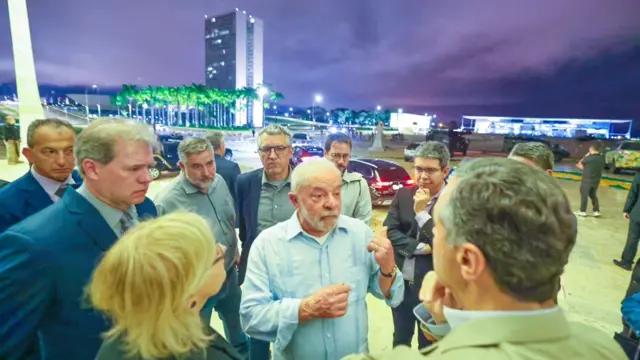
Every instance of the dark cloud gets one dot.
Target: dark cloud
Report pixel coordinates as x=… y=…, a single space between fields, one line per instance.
x=356 y=52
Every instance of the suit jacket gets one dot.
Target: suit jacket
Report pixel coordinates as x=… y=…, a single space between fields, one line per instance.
x=23 y=198
x=229 y=171
x=402 y=227
x=218 y=349
x=546 y=336
x=631 y=206
x=45 y=263
x=248 y=188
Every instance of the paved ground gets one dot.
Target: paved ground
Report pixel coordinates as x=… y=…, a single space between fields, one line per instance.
x=592 y=286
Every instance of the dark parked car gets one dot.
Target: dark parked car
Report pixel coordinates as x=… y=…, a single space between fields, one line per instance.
x=384 y=178
x=302 y=152
x=455 y=141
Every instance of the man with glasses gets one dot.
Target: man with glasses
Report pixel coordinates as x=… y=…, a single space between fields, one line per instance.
x=410 y=229
x=356 y=199
x=263 y=201
x=200 y=190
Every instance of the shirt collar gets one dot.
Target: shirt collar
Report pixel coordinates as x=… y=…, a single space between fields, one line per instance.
x=266 y=181
x=111 y=215
x=457 y=317
x=294 y=228
x=50 y=185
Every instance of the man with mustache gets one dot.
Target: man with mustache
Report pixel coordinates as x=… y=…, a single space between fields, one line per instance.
x=502 y=236
x=356 y=199
x=50 y=153
x=200 y=190
x=410 y=226
x=308 y=277
x=47 y=259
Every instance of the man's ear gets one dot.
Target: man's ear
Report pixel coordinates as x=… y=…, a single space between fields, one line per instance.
x=294 y=200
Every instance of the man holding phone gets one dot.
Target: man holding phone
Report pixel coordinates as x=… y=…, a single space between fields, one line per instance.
x=410 y=229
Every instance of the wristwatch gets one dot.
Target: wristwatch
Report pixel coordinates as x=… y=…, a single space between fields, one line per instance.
x=389 y=275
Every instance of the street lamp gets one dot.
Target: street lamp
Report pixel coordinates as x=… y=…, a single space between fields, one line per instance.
x=316 y=100
x=400 y=111
x=86 y=99
x=378 y=108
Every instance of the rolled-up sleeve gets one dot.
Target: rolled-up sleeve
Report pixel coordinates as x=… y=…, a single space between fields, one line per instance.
x=262 y=315
x=397 y=288
x=26 y=290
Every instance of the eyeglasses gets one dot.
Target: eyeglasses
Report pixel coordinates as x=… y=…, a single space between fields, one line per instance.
x=337 y=157
x=279 y=150
x=428 y=171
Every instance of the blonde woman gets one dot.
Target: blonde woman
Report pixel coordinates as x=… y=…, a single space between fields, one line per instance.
x=152 y=284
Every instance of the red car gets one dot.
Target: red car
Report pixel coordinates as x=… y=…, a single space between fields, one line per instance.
x=302 y=152
x=384 y=177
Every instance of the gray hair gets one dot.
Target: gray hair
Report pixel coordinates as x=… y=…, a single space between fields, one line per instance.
x=193 y=145
x=519 y=218
x=216 y=138
x=54 y=123
x=274 y=129
x=536 y=152
x=97 y=142
x=304 y=173
x=434 y=150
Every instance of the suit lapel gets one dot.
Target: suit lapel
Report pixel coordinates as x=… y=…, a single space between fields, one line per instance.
x=254 y=198
x=546 y=327
x=37 y=198
x=90 y=220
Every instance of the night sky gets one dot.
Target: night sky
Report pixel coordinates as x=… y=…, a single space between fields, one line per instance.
x=548 y=57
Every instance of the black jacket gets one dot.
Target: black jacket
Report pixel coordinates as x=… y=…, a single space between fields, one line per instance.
x=631 y=206
x=402 y=227
x=218 y=349
x=10 y=132
x=229 y=171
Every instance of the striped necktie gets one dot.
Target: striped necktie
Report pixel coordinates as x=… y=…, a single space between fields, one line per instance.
x=60 y=192
x=126 y=222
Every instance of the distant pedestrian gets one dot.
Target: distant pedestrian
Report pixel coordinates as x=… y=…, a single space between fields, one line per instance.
x=592 y=166
x=11 y=135
x=253 y=132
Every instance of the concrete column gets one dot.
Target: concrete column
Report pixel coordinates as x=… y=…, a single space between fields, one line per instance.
x=28 y=92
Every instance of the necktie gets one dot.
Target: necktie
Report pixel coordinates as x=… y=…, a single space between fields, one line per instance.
x=126 y=222
x=60 y=192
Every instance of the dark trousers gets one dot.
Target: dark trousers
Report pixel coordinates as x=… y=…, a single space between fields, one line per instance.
x=227 y=304
x=404 y=321
x=589 y=191
x=259 y=349
x=631 y=247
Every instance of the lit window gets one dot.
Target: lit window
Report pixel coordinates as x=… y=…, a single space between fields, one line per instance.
x=213 y=19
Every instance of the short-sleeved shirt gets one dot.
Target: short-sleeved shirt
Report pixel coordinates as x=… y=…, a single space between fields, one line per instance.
x=593 y=168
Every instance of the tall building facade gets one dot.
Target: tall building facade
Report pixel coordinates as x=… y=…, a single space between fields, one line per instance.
x=234 y=59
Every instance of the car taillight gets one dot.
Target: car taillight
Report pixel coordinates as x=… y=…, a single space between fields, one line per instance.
x=381 y=184
x=409 y=182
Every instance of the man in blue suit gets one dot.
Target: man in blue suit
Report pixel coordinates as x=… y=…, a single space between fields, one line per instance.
x=228 y=169
x=263 y=201
x=47 y=260
x=50 y=153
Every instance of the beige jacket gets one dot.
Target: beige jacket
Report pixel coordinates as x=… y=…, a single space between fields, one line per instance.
x=356 y=199
x=545 y=337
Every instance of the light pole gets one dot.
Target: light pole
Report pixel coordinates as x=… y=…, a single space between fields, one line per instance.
x=86 y=100
x=30 y=107
x=316 y=100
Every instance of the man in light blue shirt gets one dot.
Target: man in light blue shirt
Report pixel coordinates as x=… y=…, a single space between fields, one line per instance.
x=308 y=277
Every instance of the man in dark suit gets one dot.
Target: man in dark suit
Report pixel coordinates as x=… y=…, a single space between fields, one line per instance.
x=263 y=201
x=50 y=153
x=47 y=259
x=410 y=229
x=631 y=212
x=228 y=169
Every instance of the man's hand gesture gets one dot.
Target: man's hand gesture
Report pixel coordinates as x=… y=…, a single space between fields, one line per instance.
x=327 y=303
x=381 y=247
x=435 y=296
x=421 y=200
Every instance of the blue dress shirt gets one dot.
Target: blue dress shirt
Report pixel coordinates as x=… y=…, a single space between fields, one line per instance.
x=286 y=265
